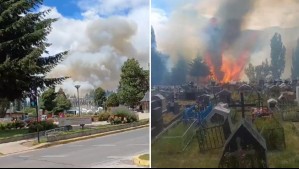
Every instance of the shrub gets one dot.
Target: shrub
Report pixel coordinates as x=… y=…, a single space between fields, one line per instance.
x=2 y=126
x=123 y=115
x=9 y=126
x=19 y=124
x=104 y=116
x=42 y=126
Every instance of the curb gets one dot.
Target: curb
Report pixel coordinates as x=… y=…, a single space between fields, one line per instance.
x=46 y=145
x=140 y=162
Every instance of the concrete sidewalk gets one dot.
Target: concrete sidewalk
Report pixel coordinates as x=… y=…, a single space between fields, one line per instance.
x=17 y=147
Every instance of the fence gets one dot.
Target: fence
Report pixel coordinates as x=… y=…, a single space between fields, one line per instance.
x=78 y=133
x=21 y=137
x=177 y=138
x=210 y=138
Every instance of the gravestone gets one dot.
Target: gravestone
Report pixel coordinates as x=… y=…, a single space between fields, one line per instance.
x=272 y=103
x=261 y=83
x=156 y=118
x=173 y=107
x=224 y=96
x=162 y=102
x=204 y=100
x=218 y=115
x=245 y=89
x=245 y=148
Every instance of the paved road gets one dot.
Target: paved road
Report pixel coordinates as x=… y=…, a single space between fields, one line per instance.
x=114 y=151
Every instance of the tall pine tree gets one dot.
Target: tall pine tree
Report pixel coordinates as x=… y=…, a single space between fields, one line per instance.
x=133 y=83
x=179 y=72
x=278 y=51
x=295 y=62
x=198 y=68
x=22 y=42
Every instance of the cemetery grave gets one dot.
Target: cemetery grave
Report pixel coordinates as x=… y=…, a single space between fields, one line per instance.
x=263 y=137
x=272 y=131
x=177 y=138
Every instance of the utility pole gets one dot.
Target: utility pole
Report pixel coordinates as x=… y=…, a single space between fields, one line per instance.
x=78 y=86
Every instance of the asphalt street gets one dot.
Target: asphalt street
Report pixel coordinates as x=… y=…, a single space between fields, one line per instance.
x=112 y=151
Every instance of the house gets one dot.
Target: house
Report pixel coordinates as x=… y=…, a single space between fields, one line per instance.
x=144 y=103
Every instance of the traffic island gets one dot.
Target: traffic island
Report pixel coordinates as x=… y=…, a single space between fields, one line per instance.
x=142 y=160
x=71 y=138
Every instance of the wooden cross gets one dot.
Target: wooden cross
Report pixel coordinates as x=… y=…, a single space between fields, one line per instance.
x=242 y=105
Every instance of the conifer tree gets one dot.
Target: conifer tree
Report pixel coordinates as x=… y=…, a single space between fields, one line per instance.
x=23 y=34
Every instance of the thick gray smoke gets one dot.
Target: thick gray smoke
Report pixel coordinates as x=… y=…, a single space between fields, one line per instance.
x=224 y=30
x=257 y=21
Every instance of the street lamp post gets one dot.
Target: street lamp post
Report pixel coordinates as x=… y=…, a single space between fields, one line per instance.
x=78 y=86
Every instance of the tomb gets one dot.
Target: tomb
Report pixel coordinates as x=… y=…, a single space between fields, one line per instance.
x=245 y=148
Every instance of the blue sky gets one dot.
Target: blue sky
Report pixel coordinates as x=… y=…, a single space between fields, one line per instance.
x=67 y=8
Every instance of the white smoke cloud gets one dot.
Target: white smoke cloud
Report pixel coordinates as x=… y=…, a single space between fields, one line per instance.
x=99 y=45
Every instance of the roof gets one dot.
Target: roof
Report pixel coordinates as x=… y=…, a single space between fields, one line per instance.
x=254 y=133
x=146 y=97
x=224 y=91
x=245 y=87
x=159 y=96
x=272 y=100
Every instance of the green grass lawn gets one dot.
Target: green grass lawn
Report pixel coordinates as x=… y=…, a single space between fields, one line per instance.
x=192 y=158
x=12 y=133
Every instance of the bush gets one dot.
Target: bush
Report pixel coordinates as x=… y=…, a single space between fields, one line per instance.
x=19 y=124
x=9 y=126
x=122 y=115
x=104 y=116
x=41 y=126
x=2 y=126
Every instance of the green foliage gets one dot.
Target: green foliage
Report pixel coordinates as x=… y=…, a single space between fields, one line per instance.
x=278 y=51
x=99 y=96
x=295 y=62
x=198 y=68
x=112 y=100
x=4 y=105
x=30 y=111
x=104 y=116
x=47 y=99
x=122 y=115
x=179 y=72
x=272 y=132
x=61 y=102
x=22 y=42
x=41 y=126
x=19 y=124
x=134 y=83
x=255 y=73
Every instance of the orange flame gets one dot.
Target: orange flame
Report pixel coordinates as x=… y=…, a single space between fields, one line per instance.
x=233 y=68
